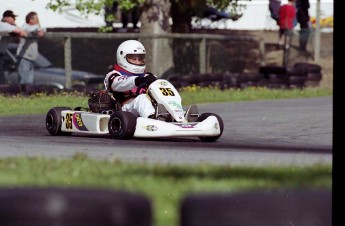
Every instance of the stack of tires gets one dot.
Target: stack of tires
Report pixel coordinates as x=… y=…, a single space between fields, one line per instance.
x=258 y=208
x=202 y=80
x=59 y=206
x=310 y=72
x=299 y=76
x=276 y=77
x=223 y=81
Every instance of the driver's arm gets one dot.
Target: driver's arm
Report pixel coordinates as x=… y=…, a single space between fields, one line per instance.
x=119 y=83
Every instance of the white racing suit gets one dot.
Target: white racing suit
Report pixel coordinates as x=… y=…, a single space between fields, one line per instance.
x=122 y=86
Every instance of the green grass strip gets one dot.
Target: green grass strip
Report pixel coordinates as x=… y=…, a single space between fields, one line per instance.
x=164 y=185
x=41 y=103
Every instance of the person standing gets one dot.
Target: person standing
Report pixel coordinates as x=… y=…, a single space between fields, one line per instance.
x=27 y=51
x=7 y=25
x=274 y=6
x=303 y=20
x=287 y=15
x=133 y=14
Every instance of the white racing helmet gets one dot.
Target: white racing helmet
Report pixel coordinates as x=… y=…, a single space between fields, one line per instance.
x=131 y=47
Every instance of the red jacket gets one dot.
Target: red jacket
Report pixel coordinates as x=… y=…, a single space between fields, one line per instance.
x=287 y=14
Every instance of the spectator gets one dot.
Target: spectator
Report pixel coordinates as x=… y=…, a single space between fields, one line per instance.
x=7 y=25
x=132 y=15
x=109 y=14
x=27 y=51
x=303 y=19
x=274 y=6
x=287 y=16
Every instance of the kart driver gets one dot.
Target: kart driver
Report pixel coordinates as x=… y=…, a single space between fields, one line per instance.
x=128 y=74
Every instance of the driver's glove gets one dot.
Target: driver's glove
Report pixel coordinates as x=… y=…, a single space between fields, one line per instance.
x=147 y=79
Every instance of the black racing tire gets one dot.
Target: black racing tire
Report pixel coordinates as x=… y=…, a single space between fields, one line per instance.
x=205 y=77
x=264 y=208
x=174 y=78
x=297 y=80
x=277 y=78
x=311 y=83
x=191 y=79
x=272 y=70
x=310 y=68
x=54 y=121
x=177 y=84
x=202 y=117
x=122 y=124
x=30 y=206
x=297 y=71
x=254 y=77
x=314 y=77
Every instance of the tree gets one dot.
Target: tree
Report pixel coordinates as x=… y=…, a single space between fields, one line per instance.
x=155 y=17
x=181 y=11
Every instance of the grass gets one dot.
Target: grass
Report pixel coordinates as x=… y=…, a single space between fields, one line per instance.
x=164 y=185
x=41 y=103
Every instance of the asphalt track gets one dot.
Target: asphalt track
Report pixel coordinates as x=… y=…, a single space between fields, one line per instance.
x=275 y=132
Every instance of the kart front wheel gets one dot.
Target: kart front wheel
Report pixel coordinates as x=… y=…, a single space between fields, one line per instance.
x=202 y=117
x=54 y=121
x=122 y=125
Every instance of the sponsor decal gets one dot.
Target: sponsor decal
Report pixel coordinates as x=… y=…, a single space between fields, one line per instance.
x=176 y=105
x=186 y=126
x=78 y=122
x=163 y=83
x=151 y=127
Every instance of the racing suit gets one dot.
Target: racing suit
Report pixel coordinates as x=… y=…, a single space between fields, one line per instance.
x=123 y=85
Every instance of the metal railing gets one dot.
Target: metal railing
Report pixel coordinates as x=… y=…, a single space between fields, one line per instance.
x=67 y=36
x=202 y=38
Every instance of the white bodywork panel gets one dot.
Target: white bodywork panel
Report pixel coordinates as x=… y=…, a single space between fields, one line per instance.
x=155 y=128
x=93 y=123
x=84 y=122
x=165 y=93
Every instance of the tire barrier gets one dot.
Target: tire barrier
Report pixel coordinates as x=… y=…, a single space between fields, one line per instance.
x=310 y=68
x=298 y=76
x=73 y=207
x=267 y=76
x=277 y=77
x=10 y=89
x=297 y=81
x=258 y=208
x=272 y=69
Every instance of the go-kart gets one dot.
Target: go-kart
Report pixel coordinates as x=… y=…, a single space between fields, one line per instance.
x=170 y=120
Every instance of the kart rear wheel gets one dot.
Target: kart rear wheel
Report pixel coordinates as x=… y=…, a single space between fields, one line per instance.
x=202 y=117
x=54 y=121
x=122 y=125
x=73 y=206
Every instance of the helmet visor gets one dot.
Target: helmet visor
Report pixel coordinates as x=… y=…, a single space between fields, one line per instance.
x=136 y=59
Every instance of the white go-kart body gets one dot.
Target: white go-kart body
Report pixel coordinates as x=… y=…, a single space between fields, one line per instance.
x=173 y=121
